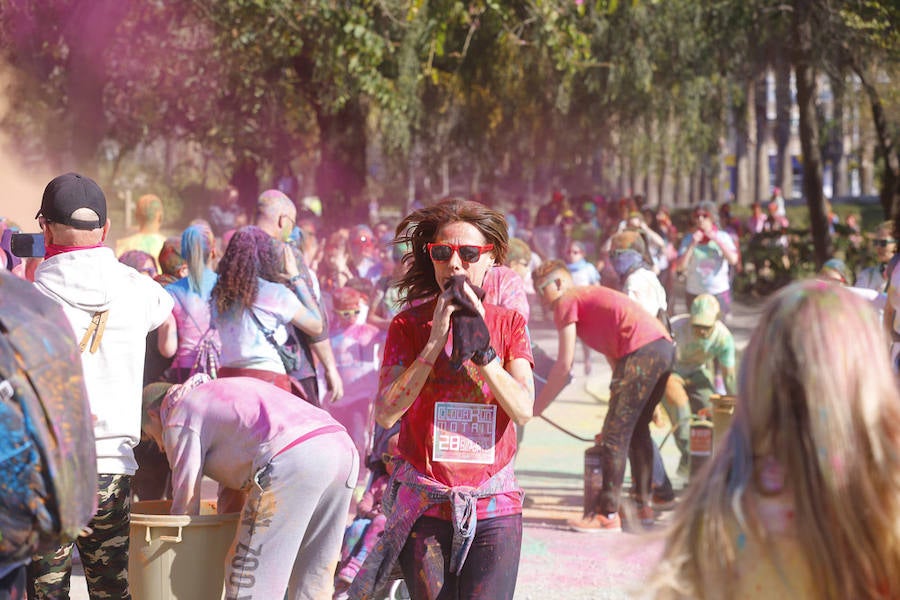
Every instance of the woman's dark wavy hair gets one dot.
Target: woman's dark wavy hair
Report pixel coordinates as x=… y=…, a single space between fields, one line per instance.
x=420 y=227
x=251 y=253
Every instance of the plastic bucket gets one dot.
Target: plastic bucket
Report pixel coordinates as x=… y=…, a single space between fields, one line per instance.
x=701 y=444
x=723 y=415
x=593 y=478
x=178 y=557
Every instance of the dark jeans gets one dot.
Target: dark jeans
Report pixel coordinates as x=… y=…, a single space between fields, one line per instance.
x=311 y=389
x=638 y=384
x=490 y=569
x=153 y=479
x=12 y=587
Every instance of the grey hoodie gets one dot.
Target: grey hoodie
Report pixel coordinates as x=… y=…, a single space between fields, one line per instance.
x=87 y=281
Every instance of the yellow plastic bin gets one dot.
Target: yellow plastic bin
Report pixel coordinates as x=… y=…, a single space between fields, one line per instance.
x=178 y=557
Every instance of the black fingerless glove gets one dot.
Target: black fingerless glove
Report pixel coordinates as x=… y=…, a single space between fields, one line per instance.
x=470 y=332
x=483 y=357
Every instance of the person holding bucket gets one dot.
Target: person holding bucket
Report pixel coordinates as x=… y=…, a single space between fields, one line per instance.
x=705 y=353
x=295 y=465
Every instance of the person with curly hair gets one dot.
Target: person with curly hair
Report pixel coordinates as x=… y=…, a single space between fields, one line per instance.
x=250 y=304
x=457 y=374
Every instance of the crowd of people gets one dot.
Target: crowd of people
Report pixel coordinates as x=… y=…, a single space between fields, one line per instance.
x=379 y=374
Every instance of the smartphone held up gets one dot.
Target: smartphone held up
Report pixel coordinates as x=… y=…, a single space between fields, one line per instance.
x=26 y=245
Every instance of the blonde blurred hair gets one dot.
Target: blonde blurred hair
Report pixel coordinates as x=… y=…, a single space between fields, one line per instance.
x=825 y=405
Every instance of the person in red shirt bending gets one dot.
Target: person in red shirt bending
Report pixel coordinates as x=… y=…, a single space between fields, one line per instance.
x=641 y=354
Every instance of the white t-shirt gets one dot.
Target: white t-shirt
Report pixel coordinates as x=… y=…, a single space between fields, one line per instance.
x=244 y=346
x=643 y=287
x=707 y=271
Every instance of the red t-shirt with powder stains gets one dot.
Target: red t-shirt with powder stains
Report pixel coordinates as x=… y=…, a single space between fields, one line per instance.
x=607 y=321
x=455 y=431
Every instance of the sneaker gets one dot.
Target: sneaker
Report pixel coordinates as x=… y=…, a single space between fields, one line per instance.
x=646 y=516
x=684 y=466
x=662 y=502
x=348 y=573
x=596 y=524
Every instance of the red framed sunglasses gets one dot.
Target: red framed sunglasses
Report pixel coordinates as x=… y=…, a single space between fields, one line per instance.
x=441 y=252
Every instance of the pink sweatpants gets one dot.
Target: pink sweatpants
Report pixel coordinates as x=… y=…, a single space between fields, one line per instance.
x=289 y=537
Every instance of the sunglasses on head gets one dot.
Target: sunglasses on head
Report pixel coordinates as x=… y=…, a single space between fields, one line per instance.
x=883 y=243
x=441 y=252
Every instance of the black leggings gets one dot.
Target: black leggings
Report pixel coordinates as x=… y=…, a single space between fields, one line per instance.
x=490 y=570
x=638 y=384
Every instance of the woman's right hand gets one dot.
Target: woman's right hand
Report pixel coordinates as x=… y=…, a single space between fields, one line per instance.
x=440 y=325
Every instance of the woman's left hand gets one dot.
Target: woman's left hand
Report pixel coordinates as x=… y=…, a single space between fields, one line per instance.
x=473 y=298
x=291 y=269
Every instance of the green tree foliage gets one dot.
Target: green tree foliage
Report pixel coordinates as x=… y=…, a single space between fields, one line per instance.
x=483 y=92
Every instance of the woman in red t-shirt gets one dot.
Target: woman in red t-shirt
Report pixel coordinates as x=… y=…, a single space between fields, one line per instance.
x=457 y=509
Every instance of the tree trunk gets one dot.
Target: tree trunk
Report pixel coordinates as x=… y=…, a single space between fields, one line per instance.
x=341 y=173
x=887 y=153
x=761 y=162
x=87 y=33
x=693 y=186
x=840 y=181
x=809 y=131
x=624 y=185
x=475 y=181
x=744 y=146
x=703 y=186
x=784 y=171
x=445 y=175
x=663 y=183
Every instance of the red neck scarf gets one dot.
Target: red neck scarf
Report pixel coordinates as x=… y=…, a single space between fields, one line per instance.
x=53 y=249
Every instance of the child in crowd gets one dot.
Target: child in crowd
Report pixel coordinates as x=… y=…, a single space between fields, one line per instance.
x=368 y=525
x=355 y=344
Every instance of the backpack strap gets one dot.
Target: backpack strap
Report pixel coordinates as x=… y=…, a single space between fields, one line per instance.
x=177 y=296
x=95 y=329
x=268 y=333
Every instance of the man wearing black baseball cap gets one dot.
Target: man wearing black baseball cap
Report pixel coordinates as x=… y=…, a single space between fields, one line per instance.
x=111 y=308
x=74 y=200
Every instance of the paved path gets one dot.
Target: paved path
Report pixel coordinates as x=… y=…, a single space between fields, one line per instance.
x=557 y=562
x=550 y=466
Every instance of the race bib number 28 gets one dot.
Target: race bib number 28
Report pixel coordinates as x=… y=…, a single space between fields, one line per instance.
x=464 y=432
